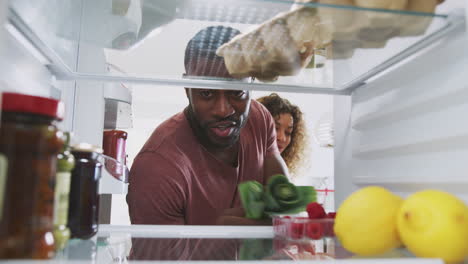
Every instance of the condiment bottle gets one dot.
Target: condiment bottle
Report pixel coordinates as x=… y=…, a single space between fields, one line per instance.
x=84 y=197
x=65 y=164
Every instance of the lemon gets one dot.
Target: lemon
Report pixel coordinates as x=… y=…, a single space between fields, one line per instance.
x=434 y=224
x=365 y=222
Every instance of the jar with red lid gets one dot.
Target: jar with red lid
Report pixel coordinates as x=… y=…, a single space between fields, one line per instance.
x=114 y=146
x=29 y=144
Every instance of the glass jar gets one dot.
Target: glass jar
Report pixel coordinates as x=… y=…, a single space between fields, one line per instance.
x=114 y=146
x=84 y=197
x=65 y=165
x=29 y=144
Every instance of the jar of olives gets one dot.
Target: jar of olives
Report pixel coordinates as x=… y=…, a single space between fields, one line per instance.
x=65 y=164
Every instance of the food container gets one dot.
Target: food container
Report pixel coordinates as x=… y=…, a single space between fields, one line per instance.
x=65 y=164
x=84 y=197
x=29 y=144
x=114 y=145
x=302 y=228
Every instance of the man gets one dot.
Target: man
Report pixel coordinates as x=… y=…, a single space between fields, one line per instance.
x=189 y=169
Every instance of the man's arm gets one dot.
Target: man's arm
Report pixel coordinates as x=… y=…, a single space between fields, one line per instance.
x=236 y=216
x=274 y=164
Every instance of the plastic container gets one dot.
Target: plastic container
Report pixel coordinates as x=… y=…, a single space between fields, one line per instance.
x=84 y=197
x=29 y=144
x=65 y=165
x=301 y=238
x=302 y=228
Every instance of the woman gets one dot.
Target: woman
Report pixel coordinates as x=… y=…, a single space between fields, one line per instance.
x=290 y=129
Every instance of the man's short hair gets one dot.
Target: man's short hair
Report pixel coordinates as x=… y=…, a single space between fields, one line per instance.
x=205 y=43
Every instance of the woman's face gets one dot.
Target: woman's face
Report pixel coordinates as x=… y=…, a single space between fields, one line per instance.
x=284 y=128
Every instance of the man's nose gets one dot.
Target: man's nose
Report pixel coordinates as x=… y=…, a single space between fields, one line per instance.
x=223 y=107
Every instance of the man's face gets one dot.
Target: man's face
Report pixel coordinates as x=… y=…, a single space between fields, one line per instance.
x=219 y=114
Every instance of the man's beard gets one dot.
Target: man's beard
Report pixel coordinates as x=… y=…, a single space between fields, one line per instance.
x=202 y=130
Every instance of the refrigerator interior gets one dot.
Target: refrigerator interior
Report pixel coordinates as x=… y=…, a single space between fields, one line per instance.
x=403 y=130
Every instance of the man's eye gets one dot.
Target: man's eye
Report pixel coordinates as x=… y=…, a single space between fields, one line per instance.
x=206 y=93
x=239 y=94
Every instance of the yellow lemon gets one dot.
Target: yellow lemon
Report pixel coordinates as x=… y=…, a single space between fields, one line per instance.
x=365 y=222
x=434 y=224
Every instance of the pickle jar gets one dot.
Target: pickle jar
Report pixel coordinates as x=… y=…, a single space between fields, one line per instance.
x=29 y=144
x=65 y=165
x=84 y=197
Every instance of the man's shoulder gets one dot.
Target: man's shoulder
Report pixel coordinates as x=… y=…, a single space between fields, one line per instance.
x=168 y=134
x=259 y=116
x=168 y=147
x=258 y=110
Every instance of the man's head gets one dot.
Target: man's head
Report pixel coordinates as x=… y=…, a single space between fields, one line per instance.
x=216 y=116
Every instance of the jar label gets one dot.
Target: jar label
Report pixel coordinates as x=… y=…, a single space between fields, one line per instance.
x=3 y=175
x=62 y=191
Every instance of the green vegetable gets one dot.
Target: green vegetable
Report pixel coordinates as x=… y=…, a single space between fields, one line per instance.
x=251 y=194
x=278 y=197
x=256 y=249
x=281 y=194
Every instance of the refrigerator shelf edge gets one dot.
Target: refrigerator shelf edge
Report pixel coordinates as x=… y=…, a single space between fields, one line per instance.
x=64 y=72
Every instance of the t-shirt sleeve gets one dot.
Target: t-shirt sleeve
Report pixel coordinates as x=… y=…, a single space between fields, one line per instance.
x=271 y=145
x=156 y=193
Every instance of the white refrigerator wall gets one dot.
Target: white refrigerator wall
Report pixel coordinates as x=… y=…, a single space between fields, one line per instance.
x=17 y=62
x=23 y=66
x=407 y=130
x=3 y=15
x=23 y=71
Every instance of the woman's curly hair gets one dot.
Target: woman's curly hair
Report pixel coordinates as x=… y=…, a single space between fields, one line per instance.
x=294 y=153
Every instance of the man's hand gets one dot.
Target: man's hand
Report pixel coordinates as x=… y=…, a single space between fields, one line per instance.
x=236 y=216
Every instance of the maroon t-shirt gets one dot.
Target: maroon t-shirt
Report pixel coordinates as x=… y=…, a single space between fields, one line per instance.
x=175 y=180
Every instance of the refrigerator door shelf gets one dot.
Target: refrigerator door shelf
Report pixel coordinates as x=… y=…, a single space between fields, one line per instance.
x=110 y=185
x=114 y=179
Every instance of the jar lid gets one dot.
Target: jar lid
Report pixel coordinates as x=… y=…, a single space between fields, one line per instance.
x=116 y=133
x=15 y=102
x=86 y=147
